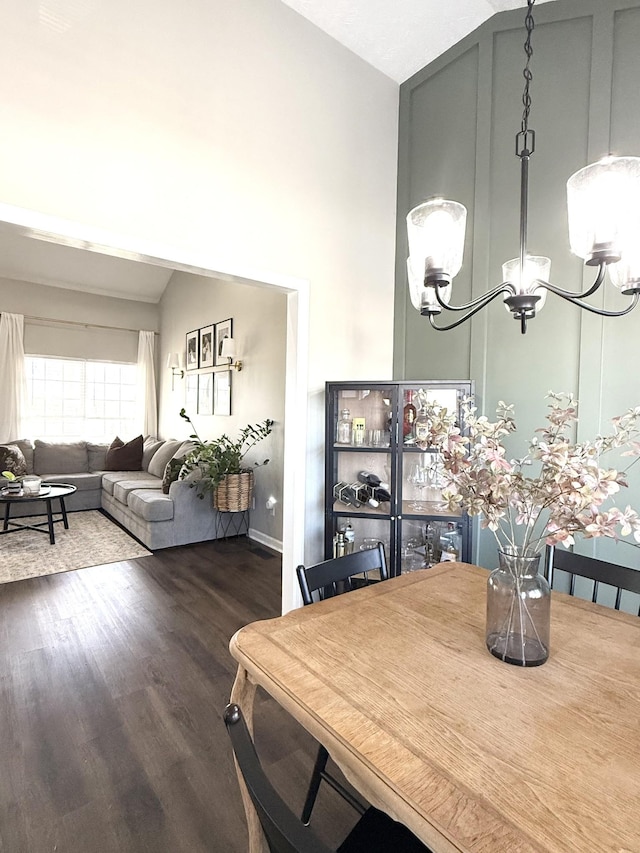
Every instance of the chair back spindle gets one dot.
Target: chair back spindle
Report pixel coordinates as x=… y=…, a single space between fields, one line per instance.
x=600 y=572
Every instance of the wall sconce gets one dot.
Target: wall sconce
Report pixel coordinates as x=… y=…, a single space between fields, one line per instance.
x=175 y=362
x=229 y=351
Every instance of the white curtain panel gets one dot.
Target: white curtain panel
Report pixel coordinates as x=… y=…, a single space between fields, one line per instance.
x=12 y=378
x=147 y=399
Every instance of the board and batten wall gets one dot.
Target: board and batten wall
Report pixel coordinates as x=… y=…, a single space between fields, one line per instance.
x=259 y=317
x=458 y=120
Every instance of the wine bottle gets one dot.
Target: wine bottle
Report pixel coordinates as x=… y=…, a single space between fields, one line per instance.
x=365 y=494
x=381 y=494
x=372 y=480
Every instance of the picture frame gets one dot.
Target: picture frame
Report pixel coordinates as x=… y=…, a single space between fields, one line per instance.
x=205 y=393
x=207 y=347
x=192 y=355
x=223 y=330
x=191 y=393
x=222 y=392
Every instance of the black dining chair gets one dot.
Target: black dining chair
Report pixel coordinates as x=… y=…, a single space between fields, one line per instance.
x=599 y=571
x=375 y=832
x=325 y=580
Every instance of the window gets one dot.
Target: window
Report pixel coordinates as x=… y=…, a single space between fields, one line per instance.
x=70 y=399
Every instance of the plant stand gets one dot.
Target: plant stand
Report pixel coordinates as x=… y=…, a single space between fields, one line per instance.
x=232 y=523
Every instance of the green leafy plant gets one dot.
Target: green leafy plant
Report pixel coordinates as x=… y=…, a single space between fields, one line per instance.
x=216 y=458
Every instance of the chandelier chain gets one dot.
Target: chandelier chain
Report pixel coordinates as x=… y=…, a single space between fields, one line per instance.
x=526 y=73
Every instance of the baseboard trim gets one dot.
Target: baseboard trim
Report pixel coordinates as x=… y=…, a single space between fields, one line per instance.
x=263 y=539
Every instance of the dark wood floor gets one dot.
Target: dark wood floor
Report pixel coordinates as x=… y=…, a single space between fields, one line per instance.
x=113 y=680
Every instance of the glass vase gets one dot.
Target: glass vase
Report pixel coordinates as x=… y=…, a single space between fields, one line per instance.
x=518 y=609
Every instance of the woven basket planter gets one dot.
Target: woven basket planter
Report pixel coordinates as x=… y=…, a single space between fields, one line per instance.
x=234 y=493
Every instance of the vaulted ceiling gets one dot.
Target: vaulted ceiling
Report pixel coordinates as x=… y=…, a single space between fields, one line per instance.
x=398 y=37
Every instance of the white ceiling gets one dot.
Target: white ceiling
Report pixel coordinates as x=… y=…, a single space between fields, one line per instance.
x=398 y=37
x=29 y=259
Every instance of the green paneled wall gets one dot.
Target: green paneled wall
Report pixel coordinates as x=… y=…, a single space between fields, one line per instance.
x=458 y=120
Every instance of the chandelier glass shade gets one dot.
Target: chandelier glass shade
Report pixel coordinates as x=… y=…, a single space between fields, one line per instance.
x=603 y=207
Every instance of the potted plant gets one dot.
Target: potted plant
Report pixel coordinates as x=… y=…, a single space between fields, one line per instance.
x=9 y=481
x=552 y=495
x=220 y=464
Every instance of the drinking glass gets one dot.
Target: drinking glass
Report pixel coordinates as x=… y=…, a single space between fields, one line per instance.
x=419 y=478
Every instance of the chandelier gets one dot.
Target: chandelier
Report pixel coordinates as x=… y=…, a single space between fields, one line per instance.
x=604 y=230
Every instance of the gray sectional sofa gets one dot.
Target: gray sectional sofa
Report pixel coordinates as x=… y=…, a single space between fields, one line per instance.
x=133 y=498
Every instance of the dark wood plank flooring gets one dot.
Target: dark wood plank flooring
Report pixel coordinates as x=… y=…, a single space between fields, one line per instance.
x=113 y=680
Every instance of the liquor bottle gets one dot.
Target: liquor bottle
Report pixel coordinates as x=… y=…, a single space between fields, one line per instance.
x=358 y=431
x=408 y=418
x=346 y=494
x=365 y=494
x=343 y=429
x=432 y=544
x=339 y=547
x=421 y=429
x=451 y=542
x=373 y=480
x=349 y=538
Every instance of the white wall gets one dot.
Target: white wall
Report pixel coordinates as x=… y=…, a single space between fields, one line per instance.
x=232 y=127
x=259 y=317
x=55 y=303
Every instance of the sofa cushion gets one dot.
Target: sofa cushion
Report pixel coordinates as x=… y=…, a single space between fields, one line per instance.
x=60 y=457
x=82 y=482
x=110 y=478
x=149 y=447
x=151 y=504
x=123 y=488
x=162 y=456
x=97 y=454
x=12 y=459
x=124 y=457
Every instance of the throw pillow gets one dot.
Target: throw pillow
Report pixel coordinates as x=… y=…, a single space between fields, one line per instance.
x=171 y=471
x=97 y=454
x=148 y=449
x=161 y=457
x=12 y=459
x=26 y=446
x=124 y=457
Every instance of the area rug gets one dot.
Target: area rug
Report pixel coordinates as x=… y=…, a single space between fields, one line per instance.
x=92 y=540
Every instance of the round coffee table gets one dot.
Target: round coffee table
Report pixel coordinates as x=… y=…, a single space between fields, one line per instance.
x=48 y=492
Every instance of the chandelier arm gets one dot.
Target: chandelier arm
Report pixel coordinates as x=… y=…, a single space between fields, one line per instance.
x=488 y=297
x=571 y=295
x=480 y=301
x=601 y=311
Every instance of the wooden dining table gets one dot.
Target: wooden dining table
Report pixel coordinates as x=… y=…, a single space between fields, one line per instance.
x=471 y=753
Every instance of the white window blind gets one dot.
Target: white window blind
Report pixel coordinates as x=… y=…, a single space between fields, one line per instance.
x=70 y=399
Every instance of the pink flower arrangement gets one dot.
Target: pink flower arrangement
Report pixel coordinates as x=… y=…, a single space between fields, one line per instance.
x=564 y=495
